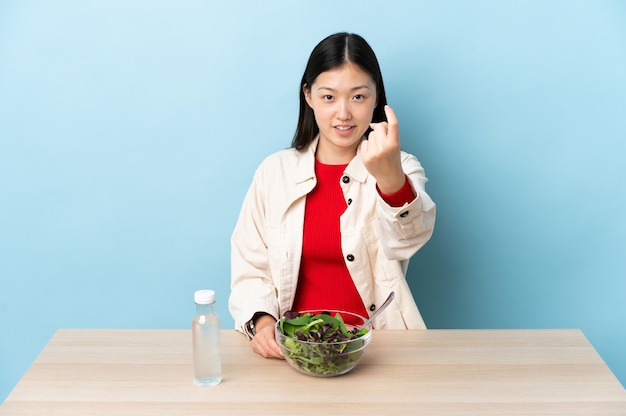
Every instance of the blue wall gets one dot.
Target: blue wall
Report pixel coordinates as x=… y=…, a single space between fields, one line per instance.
x=129 y=132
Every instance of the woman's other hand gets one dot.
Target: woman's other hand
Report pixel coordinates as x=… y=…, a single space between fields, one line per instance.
x=264 y=341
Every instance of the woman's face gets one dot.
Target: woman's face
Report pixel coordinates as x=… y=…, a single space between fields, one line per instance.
x=343 y=101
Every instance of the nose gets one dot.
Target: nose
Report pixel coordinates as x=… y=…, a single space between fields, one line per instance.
x=343 y=110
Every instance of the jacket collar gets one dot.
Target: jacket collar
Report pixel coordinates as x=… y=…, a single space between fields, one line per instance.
x=306 y=164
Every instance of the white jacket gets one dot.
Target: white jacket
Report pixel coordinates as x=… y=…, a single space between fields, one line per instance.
x=377 y=240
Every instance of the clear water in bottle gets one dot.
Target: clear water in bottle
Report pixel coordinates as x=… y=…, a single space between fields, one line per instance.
x=207 y=365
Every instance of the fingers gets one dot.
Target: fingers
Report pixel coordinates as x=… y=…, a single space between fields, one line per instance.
x=381 y=152
x=386 y=129
x=392 y=122
x=265 y=344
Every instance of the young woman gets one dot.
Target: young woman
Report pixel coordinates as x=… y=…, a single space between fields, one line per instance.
x=332 y=222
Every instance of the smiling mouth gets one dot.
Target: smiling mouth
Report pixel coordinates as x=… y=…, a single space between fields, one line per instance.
x=343 y=128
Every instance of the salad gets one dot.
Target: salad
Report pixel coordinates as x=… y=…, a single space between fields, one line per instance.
x=319 y=343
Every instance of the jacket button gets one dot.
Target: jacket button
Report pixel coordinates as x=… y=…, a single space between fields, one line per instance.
x=350 y=257
x=372 y=307
x=404 y=214
x=345 y=179
x=349 y=201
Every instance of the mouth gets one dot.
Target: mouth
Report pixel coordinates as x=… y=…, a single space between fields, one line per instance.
x=344 y=130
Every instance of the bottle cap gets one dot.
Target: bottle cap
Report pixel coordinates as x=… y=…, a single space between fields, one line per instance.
x=204 y=297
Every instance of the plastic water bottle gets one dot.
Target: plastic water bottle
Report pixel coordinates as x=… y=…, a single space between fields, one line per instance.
x=205 y=330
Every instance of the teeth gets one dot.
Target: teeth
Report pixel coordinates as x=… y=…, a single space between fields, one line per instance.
x=343 y=128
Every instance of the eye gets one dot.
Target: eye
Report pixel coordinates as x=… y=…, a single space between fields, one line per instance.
x=359 y=97
x=327 y=97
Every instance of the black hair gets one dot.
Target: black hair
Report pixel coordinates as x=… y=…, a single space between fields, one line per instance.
x=331 y=53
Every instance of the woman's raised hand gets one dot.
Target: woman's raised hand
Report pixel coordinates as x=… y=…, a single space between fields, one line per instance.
x=381 y=154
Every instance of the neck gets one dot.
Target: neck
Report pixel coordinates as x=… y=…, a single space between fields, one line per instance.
x=335 y=156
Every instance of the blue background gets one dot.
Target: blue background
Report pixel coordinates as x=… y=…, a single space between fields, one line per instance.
x=129 y=133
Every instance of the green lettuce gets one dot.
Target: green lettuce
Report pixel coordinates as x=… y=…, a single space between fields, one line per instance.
x=324 y=350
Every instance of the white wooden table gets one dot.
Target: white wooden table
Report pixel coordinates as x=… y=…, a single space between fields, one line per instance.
x=432 y=372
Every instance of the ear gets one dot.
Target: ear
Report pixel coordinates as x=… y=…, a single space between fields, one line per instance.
x=307 y=95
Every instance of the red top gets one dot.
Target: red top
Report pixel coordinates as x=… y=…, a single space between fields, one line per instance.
x=324 y=281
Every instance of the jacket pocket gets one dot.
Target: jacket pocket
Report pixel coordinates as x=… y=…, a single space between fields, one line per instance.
x=274 y=248
x=386 y=272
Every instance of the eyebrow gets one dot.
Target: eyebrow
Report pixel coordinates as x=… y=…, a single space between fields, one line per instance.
x=351 y=89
